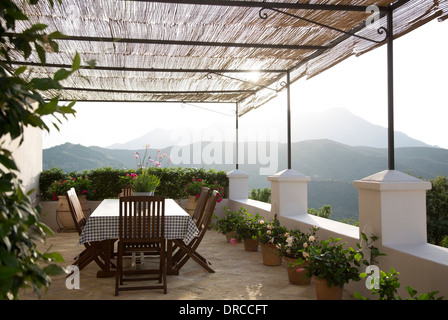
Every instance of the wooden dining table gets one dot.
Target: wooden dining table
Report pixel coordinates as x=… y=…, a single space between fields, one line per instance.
x=103 y=226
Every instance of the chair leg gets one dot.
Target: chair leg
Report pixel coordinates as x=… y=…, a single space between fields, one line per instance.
x=118 y=269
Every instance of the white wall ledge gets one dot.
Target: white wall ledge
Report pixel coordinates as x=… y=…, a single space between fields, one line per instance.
x=424 y=251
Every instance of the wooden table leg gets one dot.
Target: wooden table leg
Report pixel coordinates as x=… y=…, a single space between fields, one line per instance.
x=106 y=272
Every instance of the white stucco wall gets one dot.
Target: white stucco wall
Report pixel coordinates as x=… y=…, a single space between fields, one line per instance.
x=28 y=157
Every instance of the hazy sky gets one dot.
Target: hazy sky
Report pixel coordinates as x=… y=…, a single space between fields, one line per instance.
x=358 y=84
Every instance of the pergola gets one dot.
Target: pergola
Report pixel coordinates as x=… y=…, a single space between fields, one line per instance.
x=206 y=51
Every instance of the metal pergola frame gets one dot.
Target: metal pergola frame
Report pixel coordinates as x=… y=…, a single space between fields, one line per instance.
x=387 y=11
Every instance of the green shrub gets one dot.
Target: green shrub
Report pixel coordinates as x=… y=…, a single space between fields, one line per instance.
x=108 y=182
x=261 y=195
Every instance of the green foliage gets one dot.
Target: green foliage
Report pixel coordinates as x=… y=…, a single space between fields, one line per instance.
x=261 y=195
x=388 y=285
x=194 y=187
x=145 y=182
x=108 y=182
x=324 y=212
x=22 y=105
x=229 y=222
x=437 y=210
x=297 y=242
x=81 y=184
x=330 y=260
x=249 y=226
x=272 y=232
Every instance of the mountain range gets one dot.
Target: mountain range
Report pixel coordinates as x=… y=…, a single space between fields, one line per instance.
x=337 y=124
x=332 y=164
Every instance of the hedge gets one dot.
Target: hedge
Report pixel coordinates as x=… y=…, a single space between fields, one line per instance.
x=107 y=182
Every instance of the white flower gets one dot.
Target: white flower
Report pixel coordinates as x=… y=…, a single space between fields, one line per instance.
x=289 y=241
x=305 y=254
x=268 y=232
x=269 y=227
x=311 y=239
x=305 y=245
x=261 y=221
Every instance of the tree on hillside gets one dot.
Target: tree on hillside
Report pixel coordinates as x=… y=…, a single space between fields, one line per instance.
x=22 y=105
x=437 y=210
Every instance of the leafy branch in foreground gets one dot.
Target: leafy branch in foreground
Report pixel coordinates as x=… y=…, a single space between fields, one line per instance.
x=22 y=105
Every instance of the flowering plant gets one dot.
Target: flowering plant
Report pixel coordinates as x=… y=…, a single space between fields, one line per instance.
x=297 y=243
x=248 y=226
x=82 y=186
x=229 y=222
x=216 y=186
x=143 y=181
x=194 y=187
x=329 y=260
x=271 y=232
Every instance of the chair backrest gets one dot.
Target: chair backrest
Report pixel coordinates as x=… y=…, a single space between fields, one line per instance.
x=208 y=213
x=126 y=191
x=76 y=210
x=142 y=218
x=200 y=205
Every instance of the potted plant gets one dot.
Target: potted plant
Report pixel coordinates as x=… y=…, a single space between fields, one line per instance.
x=84 y=189
x=144 y=182
x=193 y=189
x=332 y=265
x=292 y=251
x=227 y=225
x=247 y=230
x=271 y=235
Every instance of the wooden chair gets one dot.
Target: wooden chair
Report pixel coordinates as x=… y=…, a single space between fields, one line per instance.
x=200 y=206
x=141 y=229
x=126 y=191
x=187 y=251
x=93 y=251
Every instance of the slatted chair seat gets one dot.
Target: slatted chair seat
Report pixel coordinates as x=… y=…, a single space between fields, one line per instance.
x=141 y=229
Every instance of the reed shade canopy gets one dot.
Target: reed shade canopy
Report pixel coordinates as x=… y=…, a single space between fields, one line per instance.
x=206 y=51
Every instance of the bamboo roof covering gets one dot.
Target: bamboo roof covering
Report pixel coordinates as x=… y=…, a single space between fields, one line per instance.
x=207 y=51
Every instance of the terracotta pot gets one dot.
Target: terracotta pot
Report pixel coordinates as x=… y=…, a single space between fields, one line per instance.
x=251 y=245
x=296 y=274
x=269 y=255
x=324 y=292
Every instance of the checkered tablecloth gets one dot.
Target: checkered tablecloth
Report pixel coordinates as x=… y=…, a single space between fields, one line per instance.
x=103 y=223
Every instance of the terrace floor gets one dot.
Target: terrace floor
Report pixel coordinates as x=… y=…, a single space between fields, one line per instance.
x=240 y=275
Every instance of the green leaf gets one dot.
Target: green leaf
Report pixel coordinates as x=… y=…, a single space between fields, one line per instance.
x=61 y=74
x=40 y=52
x=20 y=70
x=36 y=27
x=76 y=62
x=8 y=162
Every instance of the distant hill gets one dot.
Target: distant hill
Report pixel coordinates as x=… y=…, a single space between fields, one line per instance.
x=337 y=124
x=342 y=126
x=356 y=150
x=332 y=166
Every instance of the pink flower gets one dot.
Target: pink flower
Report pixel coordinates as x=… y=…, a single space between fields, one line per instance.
x=83 y=192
